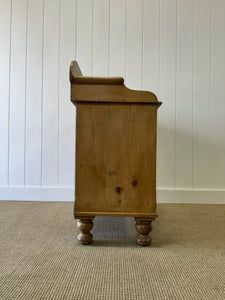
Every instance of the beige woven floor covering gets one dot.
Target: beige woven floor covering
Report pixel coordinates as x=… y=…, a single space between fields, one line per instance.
x=41 y=259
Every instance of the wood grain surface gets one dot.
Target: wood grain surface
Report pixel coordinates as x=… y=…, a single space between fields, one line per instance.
x=115 y=155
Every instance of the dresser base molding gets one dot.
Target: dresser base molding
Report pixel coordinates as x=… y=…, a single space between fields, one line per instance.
x=150 y=215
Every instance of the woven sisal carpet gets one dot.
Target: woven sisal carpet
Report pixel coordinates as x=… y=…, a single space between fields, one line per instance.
x=41 y=259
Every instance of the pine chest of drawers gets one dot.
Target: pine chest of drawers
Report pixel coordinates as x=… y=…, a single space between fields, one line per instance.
x=115 y=173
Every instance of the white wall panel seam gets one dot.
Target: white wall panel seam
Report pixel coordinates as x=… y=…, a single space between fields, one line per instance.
x=42 y=92
x=5 y=36
x=9 y=106
x=10 y=57
x=159 y=66
x=175 y=100
x=17 y=94
x=125 y=44
x=109 y=38
x=50 y=95
x=142 y=44
x=25 y=109
x=210 y=103
x=201 y=157
x=75 y=31
x=193 y=88
x=58 y=89
x=92 y=41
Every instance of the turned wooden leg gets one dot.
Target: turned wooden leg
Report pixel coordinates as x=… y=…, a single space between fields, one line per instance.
x=85 y=225
x=144 y=228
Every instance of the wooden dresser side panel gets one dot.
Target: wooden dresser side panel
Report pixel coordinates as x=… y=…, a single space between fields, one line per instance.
x=115 y=158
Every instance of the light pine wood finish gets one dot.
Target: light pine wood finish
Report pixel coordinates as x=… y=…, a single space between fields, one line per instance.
x=115 y=152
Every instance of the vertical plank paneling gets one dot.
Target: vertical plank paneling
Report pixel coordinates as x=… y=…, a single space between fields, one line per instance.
x=84 y=42
x=117 y=38
x=5 y=30
x=66 y=109
x=201 y=101
x=17 y=93
x=167 y=92
x=50 y=93
x=34 y=93
x=100 y=37
x=173 y=48
x=184 y=93
x=218 y=95
x=151 y=45
x=134 y=43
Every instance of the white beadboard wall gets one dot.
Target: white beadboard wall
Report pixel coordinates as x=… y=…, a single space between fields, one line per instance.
x=175 y=48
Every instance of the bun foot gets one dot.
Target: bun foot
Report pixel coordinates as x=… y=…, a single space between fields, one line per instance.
x=85 y=226
x=144 y=228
